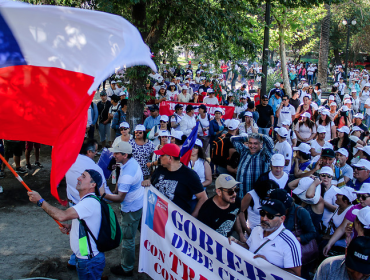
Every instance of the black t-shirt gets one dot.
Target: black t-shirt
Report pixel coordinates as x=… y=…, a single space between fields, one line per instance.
x=227 y=146
x=265 y=113
x=103 y=109
x=294 y=102
x=178 y=186
x=220 y=220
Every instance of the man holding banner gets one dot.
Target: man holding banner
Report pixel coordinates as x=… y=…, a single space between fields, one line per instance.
x=176 y=181
x=272 y=241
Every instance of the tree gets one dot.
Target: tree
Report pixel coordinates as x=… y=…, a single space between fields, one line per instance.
x=324 y=48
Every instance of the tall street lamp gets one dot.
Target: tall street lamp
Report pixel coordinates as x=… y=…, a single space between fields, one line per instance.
x=348 y=22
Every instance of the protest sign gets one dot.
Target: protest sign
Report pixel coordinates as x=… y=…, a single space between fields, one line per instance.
x=168 y=108
x=174 y=245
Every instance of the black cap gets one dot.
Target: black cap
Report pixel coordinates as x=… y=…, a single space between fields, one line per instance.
x=358 y=255
x=153 y=108
x=103 y=93
x=95 y=175
x=273 y=206
x=244 y=86
x=179 y=106
x=202 y=106
x=283 y=196
x=190 y=107
x=318 y=84
x=327 y=153
x=264 y=97
x=115 y=98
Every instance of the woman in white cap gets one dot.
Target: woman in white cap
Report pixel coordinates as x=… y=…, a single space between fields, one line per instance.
x=163 y=137
x=142 y=149
x=200 y=165
x=355 y=101
x=161 y=95
x=172 y=92
x=342 y=141
x=319 y=143
x=124 y=128
x=361 y=224
x=344 y=198
x=162 y=126
x=249 y=126
x=305 y=129
x=184 y=96
x=364 y=95
x=325 y=121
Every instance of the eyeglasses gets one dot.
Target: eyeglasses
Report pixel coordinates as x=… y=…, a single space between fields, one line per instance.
x=362 y=196
x=139 y=132
x=263 y=213
x=123 y=128
x=359 y=168
x=326 y=176
x=231 y=191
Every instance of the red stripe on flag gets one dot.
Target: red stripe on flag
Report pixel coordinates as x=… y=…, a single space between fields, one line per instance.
x=48 y=106
x=160 y=217
x=185 y=159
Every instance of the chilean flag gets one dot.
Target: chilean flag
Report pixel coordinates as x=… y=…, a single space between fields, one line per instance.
x=188 y=145
x=157 y=214
x=51 y=61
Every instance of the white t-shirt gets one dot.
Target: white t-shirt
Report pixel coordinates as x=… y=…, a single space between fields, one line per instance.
x=209 y=100
x=282 y=181
x=283 y=249
x=367 y=102
x=338 y=219
x=310 y=70
x=328 y=130
x=286 y=113
x=290 y=138
x=329 y=197
x=305 y=131
x=89 y=210
x=318 y=149
x=119 y=140
x=204 y=123
x=286 y=150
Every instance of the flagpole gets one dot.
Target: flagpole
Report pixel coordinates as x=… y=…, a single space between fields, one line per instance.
x=21 y=180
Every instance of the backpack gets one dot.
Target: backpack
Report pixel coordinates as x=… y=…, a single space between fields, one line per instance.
x=217 y=152
x=110 y=234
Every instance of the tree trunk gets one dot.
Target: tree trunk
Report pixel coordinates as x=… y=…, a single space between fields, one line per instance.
x=287 y=88
x=337 y=57
x=324 y=49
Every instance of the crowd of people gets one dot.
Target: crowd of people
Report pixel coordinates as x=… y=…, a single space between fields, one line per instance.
x=292 y=174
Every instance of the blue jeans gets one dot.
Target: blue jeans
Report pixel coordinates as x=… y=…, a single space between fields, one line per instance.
x=310 y=79
x=222 y=170
x=90 y=269
x=264 y=131
x=367 y=118
x=104 y=132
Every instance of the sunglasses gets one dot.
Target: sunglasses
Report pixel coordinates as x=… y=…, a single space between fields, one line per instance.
x=138 y=132
x=123 y=128
x=359 y=168
x=263 y=213
x=326 y=176
x=285 y=99
x=265 y=100
x=232 y=191
x=362 y=196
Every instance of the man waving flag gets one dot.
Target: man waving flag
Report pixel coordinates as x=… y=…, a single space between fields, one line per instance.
x=51 y=61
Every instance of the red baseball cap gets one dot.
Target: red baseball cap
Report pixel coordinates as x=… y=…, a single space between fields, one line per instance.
x=169 y=149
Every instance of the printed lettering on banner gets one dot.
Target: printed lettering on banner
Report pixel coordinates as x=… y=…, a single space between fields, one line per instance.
x=176 y=246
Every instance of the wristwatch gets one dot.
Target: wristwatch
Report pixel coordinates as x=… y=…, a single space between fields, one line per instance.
x=39 y=203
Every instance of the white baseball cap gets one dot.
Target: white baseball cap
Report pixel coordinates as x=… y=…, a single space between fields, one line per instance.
x=327 y=170
x=285 y=122
x=140 y=127
x=164 y=118
x=333 y=104
x=219 y=110
x=302 y=188
x=277 y=84
x=210 y=90
x=160 y=79
x=346 y=96
x=172 y=84
x=331 y=97
x=348 y=192
x=277 y=160
x=304 y=148
x=347 y=101
x=305 y=85
x=353 y=90
x=124 y=124
x=344 y=108
x=343 y=151
x=344 y=129
x=163 y=133
x=363 y=215
x=306 y=114
x=325 y=112
x=356 y=128
x=233 y=124
x=365 y=149
x=359 y=116
x=282 y=131
x=363 y=163
x=176 y=134
x=199 y=143
x=354 y=138
x=185 y=87
x=321 y=129
x=248 y=114
x=122 y=147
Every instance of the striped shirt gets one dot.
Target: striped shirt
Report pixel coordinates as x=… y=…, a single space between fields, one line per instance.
x=282 y=248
